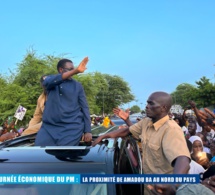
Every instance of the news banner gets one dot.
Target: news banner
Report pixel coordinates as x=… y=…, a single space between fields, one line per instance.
x=98 y=178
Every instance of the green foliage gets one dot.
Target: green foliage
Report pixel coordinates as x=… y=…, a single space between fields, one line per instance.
x=206 y=93
x=104 y=92
x=183 y=93
x=135 y=109
x=203 y=94
x=113 y=91
x=203 y=82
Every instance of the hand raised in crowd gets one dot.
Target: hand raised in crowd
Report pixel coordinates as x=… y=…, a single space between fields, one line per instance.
x=82 y=66
x=207 y=117
x=203 y=116
x=122 y=114
x=209 y=183
x=211 y=114
x=192 y=103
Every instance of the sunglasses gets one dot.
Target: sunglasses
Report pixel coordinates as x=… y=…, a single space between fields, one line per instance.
x=68 y=69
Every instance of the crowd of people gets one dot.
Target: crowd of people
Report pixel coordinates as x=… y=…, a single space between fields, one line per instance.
x=170 y=142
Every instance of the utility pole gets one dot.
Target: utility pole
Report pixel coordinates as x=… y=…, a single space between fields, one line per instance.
x=103 y=103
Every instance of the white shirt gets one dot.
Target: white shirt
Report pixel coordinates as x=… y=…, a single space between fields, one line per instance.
x=198 y=128
x=206 y=149
x=195 y=168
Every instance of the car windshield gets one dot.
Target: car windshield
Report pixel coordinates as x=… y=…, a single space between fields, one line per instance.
x=99 y=130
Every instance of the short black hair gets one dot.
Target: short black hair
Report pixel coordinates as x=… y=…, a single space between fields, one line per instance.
x=62 y=62
x=181 y=123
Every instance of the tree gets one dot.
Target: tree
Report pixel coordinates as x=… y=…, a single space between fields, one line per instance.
x=92 y=84
x=113 y=92
x=183 y=93
x=203 y=94
x=135 y=109
x=23 y=85
x=206 y=93
x=203 y=82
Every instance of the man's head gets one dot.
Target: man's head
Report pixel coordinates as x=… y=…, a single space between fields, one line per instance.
x=65 y=65
x=176 y=120
x=206 y=128
x=158 y=105
x=192 y=128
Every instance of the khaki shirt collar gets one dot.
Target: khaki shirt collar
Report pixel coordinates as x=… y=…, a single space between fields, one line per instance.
x=160 y=122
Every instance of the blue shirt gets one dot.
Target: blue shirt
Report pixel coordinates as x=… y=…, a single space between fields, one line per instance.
x=66 y=115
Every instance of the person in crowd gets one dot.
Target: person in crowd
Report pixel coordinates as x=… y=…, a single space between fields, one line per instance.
x=191 y=129
x=9 y=126
x=196 y=111
x=161 y=139
x=209 y=133
x=171 y=115
x=189 y=118
x=212 y=150
x=176 y=120
x=7 y=136
x=36 y=122
x=195 y=168
x=180 y=122
x=193 y=119
x=66 y=115
x=197 y=154
x=203 y=121
x=206 y=143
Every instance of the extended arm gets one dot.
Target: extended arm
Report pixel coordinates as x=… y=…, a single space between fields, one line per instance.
x=51 y=81
x=80 y=69
x=196 y=111
x=181 y=165
x=118 y=133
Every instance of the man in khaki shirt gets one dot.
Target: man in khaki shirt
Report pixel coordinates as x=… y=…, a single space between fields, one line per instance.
x=36 y=122
x=164 y=146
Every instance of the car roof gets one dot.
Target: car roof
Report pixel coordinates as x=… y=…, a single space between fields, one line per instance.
x=20 y=150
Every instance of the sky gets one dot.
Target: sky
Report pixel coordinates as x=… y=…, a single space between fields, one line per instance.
x=153 y=45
